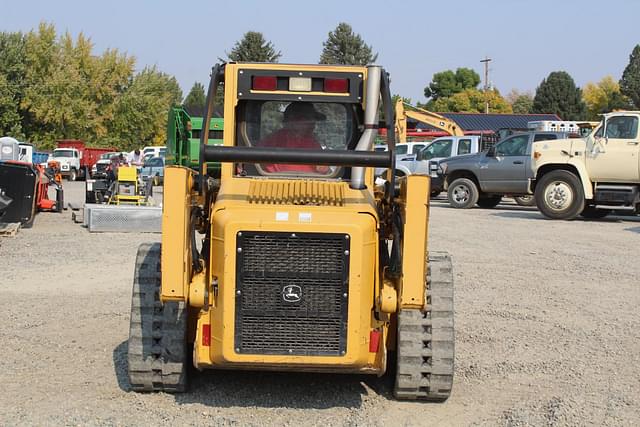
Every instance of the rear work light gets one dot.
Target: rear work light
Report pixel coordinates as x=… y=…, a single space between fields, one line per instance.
x=264 y=83
x=336 y=85
x=300 y=84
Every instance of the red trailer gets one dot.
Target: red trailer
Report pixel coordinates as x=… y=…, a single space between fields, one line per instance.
x=75 y=158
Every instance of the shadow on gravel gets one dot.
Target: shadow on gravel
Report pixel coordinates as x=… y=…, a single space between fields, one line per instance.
x=121 y=365
x=501 y=207
x=281 y=389
x=225 y=389
x=528 y=214
x=633 y=229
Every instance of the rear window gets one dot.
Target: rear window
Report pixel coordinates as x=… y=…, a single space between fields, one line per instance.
x=464 y=146
x=297 y=125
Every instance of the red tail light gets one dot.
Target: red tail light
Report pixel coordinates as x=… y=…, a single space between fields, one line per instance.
x=264 y=83
x=374 y=341
x=336 y=85
x=206 y=335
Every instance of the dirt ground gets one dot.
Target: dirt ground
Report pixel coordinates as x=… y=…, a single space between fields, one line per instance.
x=548 y=333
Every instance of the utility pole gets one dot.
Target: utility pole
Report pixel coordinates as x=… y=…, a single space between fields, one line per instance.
x=486 y=61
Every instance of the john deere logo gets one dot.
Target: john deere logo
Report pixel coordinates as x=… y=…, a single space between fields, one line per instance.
x=292 y=293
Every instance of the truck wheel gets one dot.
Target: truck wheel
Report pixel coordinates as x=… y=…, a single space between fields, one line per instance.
x=590 y=212
x=72 y=175
x=463 y=193
x=426 y=338
x=489 y=202
x=157 y=351
x=559 y=195
x=525 y=200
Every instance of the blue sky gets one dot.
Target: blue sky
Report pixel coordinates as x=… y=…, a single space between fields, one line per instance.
x=415 y=39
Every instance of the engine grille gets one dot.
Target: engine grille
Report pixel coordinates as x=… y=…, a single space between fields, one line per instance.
x=292 y=293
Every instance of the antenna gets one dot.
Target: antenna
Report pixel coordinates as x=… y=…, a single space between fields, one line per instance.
x=486 y=61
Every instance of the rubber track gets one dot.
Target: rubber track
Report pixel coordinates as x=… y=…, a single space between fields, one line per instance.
x=426 y=338
x=157 y=333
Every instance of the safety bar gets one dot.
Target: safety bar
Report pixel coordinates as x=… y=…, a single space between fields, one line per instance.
x=380 y=159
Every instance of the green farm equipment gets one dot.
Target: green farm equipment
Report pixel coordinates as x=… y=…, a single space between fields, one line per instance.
x=183 y=139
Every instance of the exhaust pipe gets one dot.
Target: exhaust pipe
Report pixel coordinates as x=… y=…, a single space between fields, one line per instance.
x=370 y=122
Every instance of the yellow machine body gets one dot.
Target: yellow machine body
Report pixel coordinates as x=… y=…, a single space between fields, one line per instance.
x=290 y=207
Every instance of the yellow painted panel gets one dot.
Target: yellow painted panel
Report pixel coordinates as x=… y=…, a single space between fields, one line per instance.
x=414 y=195
x=176 y=256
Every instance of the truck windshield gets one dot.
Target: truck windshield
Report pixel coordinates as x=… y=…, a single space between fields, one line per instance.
x=297 y=125
x=62 y=153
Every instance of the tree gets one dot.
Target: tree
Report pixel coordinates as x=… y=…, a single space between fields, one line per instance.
x=141 y=111
x=630 y=81
x=521 y=103
x=12 y=75
x=558 y=94
x=472 y=101
x=603 y=97
x=447 y=83
x=344 y=47
x=253 y=48
x=196 y=99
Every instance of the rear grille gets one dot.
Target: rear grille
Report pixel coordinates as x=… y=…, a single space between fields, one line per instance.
x=292 y=293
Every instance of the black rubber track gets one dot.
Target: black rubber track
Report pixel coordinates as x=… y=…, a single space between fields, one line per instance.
x=426 y=338
x=157 y=352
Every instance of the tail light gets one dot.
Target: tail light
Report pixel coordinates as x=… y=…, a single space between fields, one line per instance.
x=336 y=85
x=264 y=83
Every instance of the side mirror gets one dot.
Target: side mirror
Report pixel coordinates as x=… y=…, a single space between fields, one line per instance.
x=491 y=152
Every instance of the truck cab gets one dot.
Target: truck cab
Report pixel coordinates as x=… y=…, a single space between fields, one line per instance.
x=69 y=160
x=590 y=176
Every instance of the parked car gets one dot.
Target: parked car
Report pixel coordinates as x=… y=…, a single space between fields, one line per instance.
x=153 y=169
x=484 y=178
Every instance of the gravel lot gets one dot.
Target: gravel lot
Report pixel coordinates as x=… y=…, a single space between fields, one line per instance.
x=548 y=333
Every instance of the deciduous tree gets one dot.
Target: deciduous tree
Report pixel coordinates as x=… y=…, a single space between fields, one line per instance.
x=603 y=97
x=447 y=83
x=521 y=103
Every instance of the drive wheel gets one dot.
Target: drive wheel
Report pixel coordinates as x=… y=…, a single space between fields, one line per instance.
x=157 y=336
x=559 y=195
x=426 y=338
x=590 y=212
x=489 y=202
x=73 y=175
x=525 y=200
x=463 y=193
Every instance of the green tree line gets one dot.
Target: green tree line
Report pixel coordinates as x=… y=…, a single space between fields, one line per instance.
x=55 y=87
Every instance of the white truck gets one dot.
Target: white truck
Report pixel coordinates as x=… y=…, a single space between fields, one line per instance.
x=590 y=176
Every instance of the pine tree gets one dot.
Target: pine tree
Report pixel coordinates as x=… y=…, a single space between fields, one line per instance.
x=630 y=81
x=253 y=48
x=344 y=47
x=196 y=99
x=558 y=94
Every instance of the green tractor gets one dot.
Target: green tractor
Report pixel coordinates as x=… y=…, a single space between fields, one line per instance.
x=183 y=139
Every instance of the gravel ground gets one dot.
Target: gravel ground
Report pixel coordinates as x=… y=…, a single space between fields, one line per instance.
x=548 y=333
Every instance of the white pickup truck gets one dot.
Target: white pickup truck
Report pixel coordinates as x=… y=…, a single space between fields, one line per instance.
x=425 y=160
